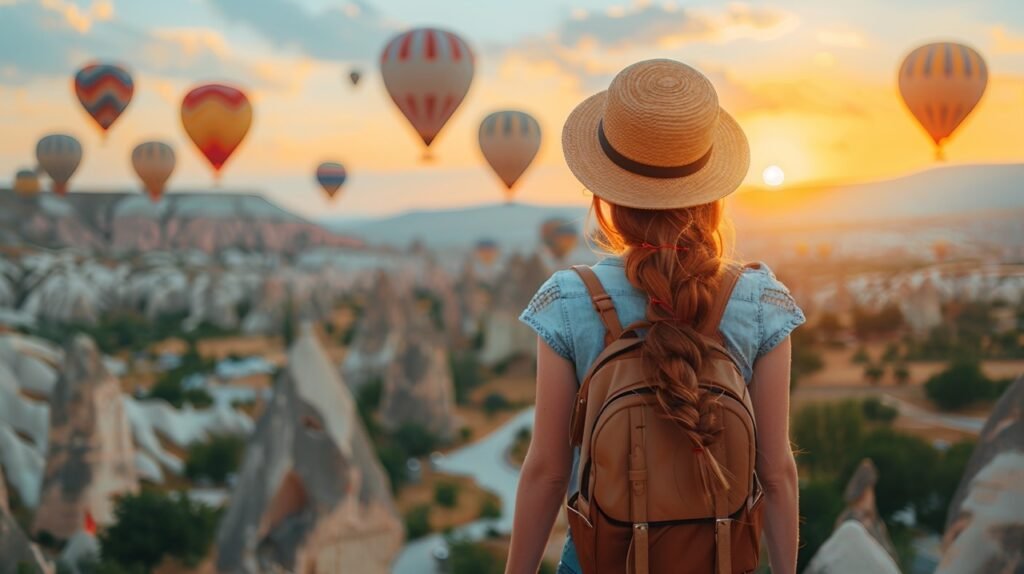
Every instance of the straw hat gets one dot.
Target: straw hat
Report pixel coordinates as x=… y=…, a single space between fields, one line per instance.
x=656 y=139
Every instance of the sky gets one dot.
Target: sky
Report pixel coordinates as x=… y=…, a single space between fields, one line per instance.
x=812 y=83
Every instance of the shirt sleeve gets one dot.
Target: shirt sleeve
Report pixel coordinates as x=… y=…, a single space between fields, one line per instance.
x=779 y=313
x=547 y=317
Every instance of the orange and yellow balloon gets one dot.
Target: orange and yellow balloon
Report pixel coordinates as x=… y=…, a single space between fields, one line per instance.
x=154 y=164
x=216 y=117
x=487 y=251
x=941 y=83
x=26 y=183
x=509 y=141
x=560 y=236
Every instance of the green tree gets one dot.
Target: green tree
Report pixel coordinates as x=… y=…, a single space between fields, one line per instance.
x=415 y=439
x=827 y=435
x=891 y=353
x=468 y=557
x=949 y=469
x=495 y=402
x=417 y=522
x=214 y=458
x=875 y=410
x=959 y=386
x=860 y=356
x=490 y=508
x=821 y=501
x=151 y=526
x=446 y=494
x=905 y=465
x=467 y=374
x=873 y=373
x=901 y=373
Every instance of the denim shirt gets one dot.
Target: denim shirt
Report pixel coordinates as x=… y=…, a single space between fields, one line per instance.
x=760 y=315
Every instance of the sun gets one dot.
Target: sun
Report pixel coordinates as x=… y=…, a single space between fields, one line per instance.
x=773 y=176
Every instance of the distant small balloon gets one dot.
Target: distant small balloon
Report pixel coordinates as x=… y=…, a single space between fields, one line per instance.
x=331 y=175
x=216 y=117
x=154 y=163
x=354 y=76
x=104 y=90
x=59 y=155
x=486 y=251
x=509 y=141
x=941 y=84
x=26 y=182
x=560 y=236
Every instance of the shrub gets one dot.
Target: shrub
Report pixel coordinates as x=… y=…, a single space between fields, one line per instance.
x=905 y=466
x=495 y=402
x=150 y=526
x=446 y=494
x=874 y=373
x=860 y=356
x=465 y=434
x=901 y=373
x=875 y=410
x=215 y=458
x=467 y=374
x=959 y=386
x=415 y=439
x=891 y=354
x=467 y=557
x=827 y=435
x=821 y=502
x=490 y=508
x=417 y=522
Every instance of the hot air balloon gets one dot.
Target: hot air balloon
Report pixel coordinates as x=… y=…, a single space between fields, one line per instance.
x=560 y=236
x=427 y=72
x=941 y=83
x=486 y=251
x=331 y=176
x=154 y=163
x=354 y=76
x=941 y=250
x=59 y=155
x=216 y=117
x=26 y=182
x=509 y=141
x=104 y=90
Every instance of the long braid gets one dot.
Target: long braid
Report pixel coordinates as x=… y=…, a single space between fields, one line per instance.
x=674 y=257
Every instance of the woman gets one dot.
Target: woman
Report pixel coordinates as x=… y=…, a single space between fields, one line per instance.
x=659 y=155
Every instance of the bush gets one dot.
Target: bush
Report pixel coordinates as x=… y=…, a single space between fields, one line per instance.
x=875 y=410
x=215 y=458
x=901 y=373
x=860 y=356
x=417 y=522
x=874 y=373
x=495 y=402
x=446 y=494
x=467 y=557
x=959 y=386
x=415 y=439
x=171 y=390
x=905 y=466
x=821 y=501
x=490 y=508
x=393 y=459
x=827 y=435
x=150 y=526
x=465 y=433
x=467 y=374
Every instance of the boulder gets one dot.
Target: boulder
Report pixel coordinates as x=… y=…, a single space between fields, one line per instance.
x=311 y=495
x=985 y=522
x=90 y=458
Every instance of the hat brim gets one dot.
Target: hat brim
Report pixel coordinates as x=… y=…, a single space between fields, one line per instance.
x=721 y=175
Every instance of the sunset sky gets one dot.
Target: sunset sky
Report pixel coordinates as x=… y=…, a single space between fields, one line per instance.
x=812 y=83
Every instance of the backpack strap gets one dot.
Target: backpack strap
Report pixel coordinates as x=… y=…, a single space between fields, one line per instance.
x=730 y=275
x=602 y=303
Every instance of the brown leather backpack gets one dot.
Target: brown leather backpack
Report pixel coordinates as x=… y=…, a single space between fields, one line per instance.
x=641 y=507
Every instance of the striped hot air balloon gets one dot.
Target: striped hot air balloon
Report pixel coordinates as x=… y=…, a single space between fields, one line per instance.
x=154 y=163
x=331 y=176
x=427 y=72
x=941 y=83
x=486 y=251
x=59 y=155
x=105 y=90
x=509 y=141
x=26 y=182
x=216 y=117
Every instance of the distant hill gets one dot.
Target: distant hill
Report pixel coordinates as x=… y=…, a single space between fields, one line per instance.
x=130 y=222
x=939 y=193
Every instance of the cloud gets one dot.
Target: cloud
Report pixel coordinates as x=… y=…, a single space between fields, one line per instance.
x=354 y=31
x=840 y=38
x=1005 y=42
x=667 y=26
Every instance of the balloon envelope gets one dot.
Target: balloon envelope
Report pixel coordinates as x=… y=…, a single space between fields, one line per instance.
x=59 y=155
x=154 y=163
x=560 y=236
x=216 y=117
x=509 y=141
x=486 y=251
x=941 y=83
x=354 y=76
x=331 y=175
x=104 y=90
x=26 y=182
x=427 y=72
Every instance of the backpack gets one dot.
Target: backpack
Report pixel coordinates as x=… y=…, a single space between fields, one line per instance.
x=641 y=507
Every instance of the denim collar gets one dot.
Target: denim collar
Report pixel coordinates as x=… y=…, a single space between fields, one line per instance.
x=613 y=260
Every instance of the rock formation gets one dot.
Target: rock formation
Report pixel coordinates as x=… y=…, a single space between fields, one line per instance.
x=860 y=542
x=311 y=496
x=377 y=333
x=16 y=551
x=505 y=337
x=90 y=458
x=985 y=523
x=418 y=387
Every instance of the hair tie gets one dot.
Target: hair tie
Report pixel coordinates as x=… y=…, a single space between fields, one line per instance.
x=698 y=450
x=652 y=247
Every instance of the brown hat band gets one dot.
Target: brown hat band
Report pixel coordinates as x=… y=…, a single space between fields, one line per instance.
x=648 y=170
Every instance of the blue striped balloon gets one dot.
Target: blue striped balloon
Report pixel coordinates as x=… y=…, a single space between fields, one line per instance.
x=331 y=176
x=59 y=155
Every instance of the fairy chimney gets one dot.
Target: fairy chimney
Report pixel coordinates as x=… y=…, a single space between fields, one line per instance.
x=377 y=334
